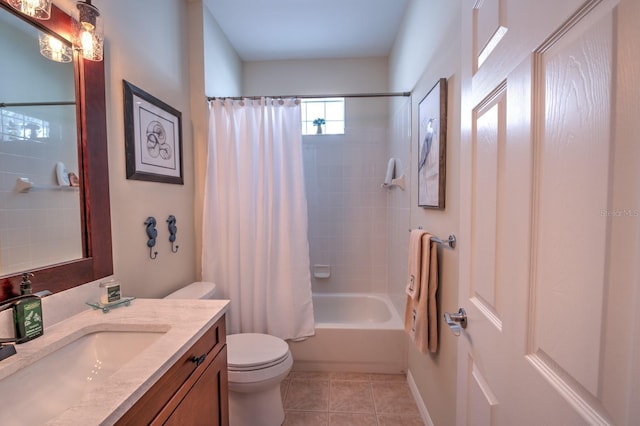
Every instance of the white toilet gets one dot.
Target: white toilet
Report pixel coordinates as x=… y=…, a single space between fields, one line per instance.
x=256 y=364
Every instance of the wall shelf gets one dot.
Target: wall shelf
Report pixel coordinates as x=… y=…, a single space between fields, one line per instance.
x=24 y=185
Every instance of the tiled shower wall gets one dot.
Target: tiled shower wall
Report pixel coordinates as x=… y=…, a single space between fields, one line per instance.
x=347 y=206
x=398 y=203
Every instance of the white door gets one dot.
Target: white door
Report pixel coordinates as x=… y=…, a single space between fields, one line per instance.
x=550 y=223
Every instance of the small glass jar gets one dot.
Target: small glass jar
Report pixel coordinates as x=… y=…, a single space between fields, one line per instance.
x=110 y=291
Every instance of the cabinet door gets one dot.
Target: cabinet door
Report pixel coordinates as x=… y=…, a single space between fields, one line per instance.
x=159 y=402
x=206 y=403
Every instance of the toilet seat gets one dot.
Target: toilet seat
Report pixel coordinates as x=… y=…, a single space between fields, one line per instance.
x=255 y=351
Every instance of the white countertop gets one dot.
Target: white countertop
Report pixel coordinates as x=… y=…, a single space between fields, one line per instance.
x=184 y=322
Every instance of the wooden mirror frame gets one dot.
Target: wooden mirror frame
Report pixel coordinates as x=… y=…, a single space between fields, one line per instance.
x=97 y=261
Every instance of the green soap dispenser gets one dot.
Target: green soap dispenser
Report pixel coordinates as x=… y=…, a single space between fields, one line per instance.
x=27 y=317
x=27 y=312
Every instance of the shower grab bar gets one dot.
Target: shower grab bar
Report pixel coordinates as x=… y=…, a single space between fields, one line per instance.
x=449 y=242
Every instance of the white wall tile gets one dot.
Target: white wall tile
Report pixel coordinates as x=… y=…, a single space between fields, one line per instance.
x=347 y=207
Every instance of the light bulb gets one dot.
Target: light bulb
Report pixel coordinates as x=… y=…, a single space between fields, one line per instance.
x=40 y=9
x=86 y=40
x=88 y=31
x=29 y=7
x=54 y=49
x=54 y=43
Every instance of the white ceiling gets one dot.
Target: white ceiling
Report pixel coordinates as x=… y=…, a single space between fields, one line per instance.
x=261 y=30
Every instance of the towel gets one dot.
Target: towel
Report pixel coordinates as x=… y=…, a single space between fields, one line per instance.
x=421 y=316
x=413 y=270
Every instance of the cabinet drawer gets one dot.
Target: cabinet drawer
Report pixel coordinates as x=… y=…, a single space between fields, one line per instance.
x=153 y=401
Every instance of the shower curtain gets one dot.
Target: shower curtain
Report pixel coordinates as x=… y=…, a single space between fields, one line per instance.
x=255 y=245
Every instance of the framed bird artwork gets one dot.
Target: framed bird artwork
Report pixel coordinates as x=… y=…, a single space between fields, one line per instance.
x=432 y=144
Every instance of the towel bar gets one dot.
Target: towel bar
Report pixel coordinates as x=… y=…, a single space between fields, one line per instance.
x=449 y=242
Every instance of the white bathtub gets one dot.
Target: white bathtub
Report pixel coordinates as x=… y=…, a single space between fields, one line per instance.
x=354 y=310
x=354 y=332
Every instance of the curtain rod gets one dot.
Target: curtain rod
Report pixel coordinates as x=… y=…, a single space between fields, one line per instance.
x=349 y=95
x=25 y=104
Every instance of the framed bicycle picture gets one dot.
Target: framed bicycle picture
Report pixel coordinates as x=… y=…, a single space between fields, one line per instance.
x=153 y=137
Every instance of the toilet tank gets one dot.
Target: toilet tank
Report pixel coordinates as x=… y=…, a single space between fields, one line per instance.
x=197 y=290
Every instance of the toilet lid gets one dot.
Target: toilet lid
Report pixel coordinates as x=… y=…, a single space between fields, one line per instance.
x=252 y=350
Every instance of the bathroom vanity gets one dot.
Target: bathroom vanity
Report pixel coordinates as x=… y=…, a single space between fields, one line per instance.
x=193 y=391
x=153 y=362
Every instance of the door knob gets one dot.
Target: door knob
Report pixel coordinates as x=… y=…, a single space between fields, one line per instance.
x=457 y=320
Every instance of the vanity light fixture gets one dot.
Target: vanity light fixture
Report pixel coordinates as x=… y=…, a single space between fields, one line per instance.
x=52 y=48
x=39 y=9
x=88 y=33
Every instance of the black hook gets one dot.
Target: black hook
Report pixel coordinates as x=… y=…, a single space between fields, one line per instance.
x=173 y=230
x=152 y=233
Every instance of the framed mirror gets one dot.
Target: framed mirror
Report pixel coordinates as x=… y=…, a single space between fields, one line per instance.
x=55 y=222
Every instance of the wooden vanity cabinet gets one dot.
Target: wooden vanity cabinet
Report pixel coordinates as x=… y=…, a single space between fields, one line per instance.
x=193 y=392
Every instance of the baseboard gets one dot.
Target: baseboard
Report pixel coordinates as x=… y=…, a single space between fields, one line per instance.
x=424 y=413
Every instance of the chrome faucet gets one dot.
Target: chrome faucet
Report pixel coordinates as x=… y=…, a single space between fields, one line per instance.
x=6 y=351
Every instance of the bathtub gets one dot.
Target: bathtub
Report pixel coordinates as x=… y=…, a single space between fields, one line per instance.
x=356 y=332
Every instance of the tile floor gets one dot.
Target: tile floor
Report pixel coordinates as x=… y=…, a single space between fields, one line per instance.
x=348 y=399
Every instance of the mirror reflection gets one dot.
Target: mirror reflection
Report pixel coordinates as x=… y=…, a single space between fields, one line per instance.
x=40 y=202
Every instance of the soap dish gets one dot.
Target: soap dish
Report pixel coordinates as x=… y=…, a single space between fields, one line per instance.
x=105 y=307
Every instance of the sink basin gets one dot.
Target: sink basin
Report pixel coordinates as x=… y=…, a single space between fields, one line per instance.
x=50 y=385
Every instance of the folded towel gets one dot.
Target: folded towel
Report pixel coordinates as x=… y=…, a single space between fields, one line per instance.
x=421 y=316
x=413 y=270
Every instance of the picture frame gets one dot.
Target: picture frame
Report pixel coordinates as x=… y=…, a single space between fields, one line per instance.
x=432 y=147
x=153 y=137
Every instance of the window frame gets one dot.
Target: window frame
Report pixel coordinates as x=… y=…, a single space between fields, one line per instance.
x=309 y=129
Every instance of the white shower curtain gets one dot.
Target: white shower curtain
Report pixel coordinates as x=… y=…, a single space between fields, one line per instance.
x=255 y=245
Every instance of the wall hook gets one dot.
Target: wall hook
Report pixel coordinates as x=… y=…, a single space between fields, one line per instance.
x=173 y=230
x=152 y=233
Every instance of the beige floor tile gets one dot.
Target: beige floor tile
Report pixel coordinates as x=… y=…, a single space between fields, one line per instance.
x=351 y=397
x=305 y=418
x=353 y=377
x=311 y=375
x=348 y=399
x=307 y=395
x=350 y=419
x=394 y=398
x=391 y=420
x=378 y=377
x=284 y=386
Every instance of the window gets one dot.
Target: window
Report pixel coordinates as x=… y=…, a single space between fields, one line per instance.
x=329 y=109
x=16 y=127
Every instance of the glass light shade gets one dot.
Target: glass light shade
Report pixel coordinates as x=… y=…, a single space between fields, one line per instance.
x=88 y=34
x=39 y=9
x=54 y=49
